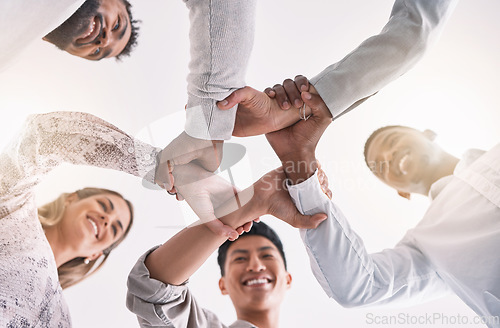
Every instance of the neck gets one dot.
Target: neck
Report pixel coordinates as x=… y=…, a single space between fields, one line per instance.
x=446 y=165
x=261 y=319
x=55 y=239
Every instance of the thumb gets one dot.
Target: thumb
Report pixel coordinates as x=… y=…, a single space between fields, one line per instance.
x=235 y=98
x=307 y=221
x=221 y=229
x=317 y=105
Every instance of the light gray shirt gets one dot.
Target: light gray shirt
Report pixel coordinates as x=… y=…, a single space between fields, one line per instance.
x=454 y=247
x=157 y=304
x=221 y=37
x=413 y=26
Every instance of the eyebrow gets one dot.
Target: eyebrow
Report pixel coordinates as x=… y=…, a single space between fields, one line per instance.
x=245 y=251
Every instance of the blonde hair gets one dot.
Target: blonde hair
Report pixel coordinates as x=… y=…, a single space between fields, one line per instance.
x=76 y=270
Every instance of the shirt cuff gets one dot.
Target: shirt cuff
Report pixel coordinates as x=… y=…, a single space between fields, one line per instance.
x=307 y=195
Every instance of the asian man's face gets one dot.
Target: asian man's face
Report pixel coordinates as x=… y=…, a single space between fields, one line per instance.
x=255 y=275
x=98 y=29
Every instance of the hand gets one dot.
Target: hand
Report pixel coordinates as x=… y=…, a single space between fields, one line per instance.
x=303 y=136
x=270 y=196
x=257 y=113
x=186 y=149
x=289 y=92
x=203 y=191
x=323 y=181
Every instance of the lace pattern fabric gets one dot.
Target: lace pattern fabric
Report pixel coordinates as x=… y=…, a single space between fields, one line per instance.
x=30 y=293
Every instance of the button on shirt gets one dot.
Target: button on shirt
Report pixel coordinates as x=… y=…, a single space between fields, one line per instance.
x=453 y=248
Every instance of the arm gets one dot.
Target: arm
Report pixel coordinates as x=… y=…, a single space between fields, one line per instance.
x=346 y=271
x=48 y=140
x=412 y=27
x=219 y=57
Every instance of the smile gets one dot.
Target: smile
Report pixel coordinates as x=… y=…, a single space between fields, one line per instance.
x=93 y=32
x=257 y=282
x=94 y=226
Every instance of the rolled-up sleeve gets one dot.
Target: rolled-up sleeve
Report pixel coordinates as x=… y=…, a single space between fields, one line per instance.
x=413 y=26
x=157 y=304
x=346 y=271
x=221 y=36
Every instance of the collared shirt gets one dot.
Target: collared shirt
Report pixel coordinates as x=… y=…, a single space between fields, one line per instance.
x=157 y=304
x=23 y=22
x=453 y=248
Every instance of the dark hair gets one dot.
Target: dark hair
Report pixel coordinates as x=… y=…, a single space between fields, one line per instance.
x=132 y=42
x=258 y=229
x=377 y=132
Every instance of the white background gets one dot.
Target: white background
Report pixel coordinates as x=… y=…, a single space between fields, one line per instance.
x=453 y=91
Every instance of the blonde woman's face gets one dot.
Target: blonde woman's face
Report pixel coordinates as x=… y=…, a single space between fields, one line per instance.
x=92 y=224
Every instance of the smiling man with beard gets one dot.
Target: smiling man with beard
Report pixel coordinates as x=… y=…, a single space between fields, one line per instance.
x=92 y=29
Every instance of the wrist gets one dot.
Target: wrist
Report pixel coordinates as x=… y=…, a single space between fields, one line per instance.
x=299 y=169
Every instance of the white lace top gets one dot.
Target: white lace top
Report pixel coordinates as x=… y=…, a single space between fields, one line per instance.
x=30 y=293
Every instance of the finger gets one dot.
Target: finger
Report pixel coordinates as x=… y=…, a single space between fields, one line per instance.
x=281 y=97
x=307 y=221
x=221 y=229
x=293 y=93
x=302 y=83
x=240 y=230
x=270 y=92
x=319 y=110
x=256 y=220
x=236 y=97
x=248 y=226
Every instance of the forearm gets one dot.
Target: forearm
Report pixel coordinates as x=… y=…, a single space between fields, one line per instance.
x=346 y=271
x=221 y=37
x=183 y=254
x=412 y=28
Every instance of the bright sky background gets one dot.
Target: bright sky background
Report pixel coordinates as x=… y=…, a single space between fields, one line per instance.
x=453 y=91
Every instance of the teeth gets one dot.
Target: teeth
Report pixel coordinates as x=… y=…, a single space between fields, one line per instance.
x=256 y=281
x=91 y=29
x=93 y=225
x=402 y=164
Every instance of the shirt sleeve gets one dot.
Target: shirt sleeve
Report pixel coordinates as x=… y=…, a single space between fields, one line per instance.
x=161 y=305
x=221 y=37
x=345 y=270
x=412 y=27
x=48 y=140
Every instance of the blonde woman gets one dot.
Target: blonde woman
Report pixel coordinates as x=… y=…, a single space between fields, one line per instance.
x=43 y=250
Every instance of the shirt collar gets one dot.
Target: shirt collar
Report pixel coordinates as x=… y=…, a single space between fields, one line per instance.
x=467 y=159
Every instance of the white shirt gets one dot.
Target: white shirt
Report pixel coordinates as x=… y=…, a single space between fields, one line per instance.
x=454 y=247
x=23 y=22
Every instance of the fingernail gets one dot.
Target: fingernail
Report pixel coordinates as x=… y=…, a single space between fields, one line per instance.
x=307 y=95
x=286 y=104
x=303 y=88
x=297 y=103
x=224 y=102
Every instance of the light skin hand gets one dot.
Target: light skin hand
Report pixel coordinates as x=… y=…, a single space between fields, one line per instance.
x=288 y=93
x=258 y=114
x=186 y=149
x=203 y=191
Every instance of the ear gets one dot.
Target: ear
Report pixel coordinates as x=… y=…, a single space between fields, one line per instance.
x=429 y=134
x=404 y=194
x=71 y=198
x=222 y=286
x=94 y=256
x=288 y=280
